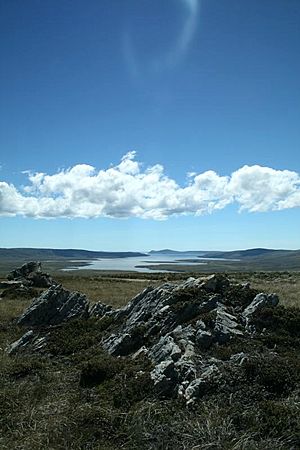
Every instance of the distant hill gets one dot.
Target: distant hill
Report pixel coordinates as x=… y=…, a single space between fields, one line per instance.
x=51 y=254
x=167 y=251
x=249 y=253
x=234 y=254
x=252 y=259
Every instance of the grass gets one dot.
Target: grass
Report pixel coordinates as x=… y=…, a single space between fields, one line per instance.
x=285 y=284
x=77 y=397
x=113 y=291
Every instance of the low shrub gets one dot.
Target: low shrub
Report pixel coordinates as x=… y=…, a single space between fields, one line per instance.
x=77 y=335
x=99 y=369
x=277 y=375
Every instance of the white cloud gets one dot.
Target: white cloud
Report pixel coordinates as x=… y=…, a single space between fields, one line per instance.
x=125 y=190
x=261 y=189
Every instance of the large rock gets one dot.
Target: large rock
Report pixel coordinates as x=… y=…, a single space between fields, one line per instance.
x=54 y=306
x=25 y=270
x=31 y=274
x=162 y=309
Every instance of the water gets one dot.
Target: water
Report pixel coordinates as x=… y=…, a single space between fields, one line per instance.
x=132 y=263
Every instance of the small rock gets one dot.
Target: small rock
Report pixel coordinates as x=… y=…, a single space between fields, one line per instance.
x=21 y=343
x=226 y=326
x=209 y=305
x=260 y=301
x=204 y=339
x=166 y=348
x=99 y=310
x=215 y=283
x=10 y=284
x=164 y=377
x=238 y=358
x=198 y=387
x=122 y=344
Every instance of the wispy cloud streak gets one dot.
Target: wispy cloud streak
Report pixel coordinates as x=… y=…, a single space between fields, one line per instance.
x=177 y=49
x=187 y=33
x=126 y=190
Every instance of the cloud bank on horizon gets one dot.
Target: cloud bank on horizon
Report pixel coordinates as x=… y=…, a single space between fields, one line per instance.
x=126 y=190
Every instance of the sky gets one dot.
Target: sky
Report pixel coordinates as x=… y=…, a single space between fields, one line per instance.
x=150 y=124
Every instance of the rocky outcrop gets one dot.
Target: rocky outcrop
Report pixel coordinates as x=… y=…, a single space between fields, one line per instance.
x=30 y=274
x=54 y=306
x=25 y=270
x=175 y=326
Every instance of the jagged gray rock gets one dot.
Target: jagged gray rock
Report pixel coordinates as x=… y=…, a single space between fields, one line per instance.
x=164 y=377
x=198 y=387
x=166 y=348
x=54 y=306
x=99 y=310
x=226 y=326
x=204 y=339
x=174 y=325
x=30 y=274
x=20 y=343
x=162 y=309
x=215 y=283
x=30 y=339
x=174 y=334
x=25 y=270
x=260 y=301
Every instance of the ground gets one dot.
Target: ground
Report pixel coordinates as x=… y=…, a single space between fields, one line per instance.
x=46 y=402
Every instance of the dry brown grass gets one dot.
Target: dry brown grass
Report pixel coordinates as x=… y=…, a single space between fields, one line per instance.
x=113 y=291
x=117 y=291
x=285 y=284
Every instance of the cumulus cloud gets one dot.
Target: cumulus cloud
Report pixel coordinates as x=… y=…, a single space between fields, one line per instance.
x=128 y=190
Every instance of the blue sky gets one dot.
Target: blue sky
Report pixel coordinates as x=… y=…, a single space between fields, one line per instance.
x=193 y=87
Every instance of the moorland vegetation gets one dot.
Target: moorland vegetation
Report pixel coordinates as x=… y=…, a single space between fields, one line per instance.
x=77 y=395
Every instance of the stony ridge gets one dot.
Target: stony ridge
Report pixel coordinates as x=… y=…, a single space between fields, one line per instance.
x=174 y=326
